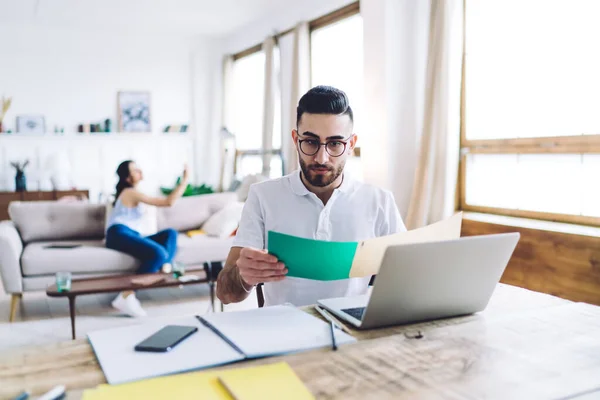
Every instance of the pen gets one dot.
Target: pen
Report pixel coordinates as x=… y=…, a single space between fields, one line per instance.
x=333 y=344
x=24 y=395
x=58 y=392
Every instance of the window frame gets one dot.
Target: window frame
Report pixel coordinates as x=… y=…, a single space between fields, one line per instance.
x=321 y=22
x=581 y=144
x=239 y=154
x=338 y=15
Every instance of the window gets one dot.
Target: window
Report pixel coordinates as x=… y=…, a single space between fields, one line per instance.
x=248 y=85
x=248 y=100
x=337 y=60
x=531 y=121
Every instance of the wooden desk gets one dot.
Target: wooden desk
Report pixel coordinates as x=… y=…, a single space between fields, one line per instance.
x=524 y=345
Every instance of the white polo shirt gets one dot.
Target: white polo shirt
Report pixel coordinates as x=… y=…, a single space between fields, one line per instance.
x=355 y=212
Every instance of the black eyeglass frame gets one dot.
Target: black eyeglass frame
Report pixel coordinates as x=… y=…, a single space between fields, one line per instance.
x=344 y=142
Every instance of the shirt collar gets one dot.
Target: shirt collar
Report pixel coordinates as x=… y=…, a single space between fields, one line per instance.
x=297 y=185
x=301 y=190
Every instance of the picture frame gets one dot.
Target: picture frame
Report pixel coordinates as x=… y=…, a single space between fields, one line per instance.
x=31 y=124
x=133 y=110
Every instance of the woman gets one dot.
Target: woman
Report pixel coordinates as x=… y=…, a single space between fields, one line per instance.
x=125 y=230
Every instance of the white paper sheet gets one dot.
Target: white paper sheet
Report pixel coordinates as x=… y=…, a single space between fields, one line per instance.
x=369 y=253
x=275 y=330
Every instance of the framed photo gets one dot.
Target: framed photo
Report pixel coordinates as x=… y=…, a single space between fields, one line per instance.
x=31 y=124
x=134 y=111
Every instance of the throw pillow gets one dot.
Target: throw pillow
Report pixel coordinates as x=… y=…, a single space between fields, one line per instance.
x=225 y=221
x=249 y=180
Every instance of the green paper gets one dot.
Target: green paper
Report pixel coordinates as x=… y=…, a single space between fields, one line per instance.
x=313 y=259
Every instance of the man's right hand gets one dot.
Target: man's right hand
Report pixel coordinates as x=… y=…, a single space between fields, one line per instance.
x=257 y=266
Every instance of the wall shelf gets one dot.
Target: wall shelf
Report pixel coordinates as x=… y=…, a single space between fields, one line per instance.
x=97 y=136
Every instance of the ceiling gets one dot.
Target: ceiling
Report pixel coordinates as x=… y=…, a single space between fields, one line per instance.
x=173 y=17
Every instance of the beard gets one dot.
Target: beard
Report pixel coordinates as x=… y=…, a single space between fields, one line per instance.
x=321 y=180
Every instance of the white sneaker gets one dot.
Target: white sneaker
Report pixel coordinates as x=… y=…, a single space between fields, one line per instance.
x=129 y=305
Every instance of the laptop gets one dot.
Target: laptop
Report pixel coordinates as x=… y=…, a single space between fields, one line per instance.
x=426 y=281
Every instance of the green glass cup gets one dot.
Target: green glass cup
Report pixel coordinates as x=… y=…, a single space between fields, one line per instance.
x=63 y=281
x=178 y=270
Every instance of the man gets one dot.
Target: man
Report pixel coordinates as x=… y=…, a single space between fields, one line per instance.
x=316 y=202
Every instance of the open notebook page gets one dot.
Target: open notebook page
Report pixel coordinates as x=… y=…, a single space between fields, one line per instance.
x=120 y=363
x=275 y=330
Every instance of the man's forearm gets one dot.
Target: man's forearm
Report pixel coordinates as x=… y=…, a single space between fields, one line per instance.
x=229 y=285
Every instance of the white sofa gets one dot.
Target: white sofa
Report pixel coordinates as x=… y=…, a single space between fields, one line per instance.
x=26 y=264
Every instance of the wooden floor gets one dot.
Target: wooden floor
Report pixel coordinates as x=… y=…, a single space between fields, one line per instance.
x=43 y=320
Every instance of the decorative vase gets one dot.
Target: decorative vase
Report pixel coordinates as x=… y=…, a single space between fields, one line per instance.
x=20 y=182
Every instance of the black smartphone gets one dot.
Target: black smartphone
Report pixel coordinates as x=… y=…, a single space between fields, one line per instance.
x=166 y=338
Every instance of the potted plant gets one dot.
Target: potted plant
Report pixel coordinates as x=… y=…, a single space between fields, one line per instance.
x=20 y=181
x=6 y=101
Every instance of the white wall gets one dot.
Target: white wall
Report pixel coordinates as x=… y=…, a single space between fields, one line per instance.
x=72 y=77
x=206 y=84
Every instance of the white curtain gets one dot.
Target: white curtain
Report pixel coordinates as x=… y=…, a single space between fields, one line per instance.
x=413 y=53
x=226 y=145
x=227 y=97
x=433 y=193
x=295 y=81
x=268 y=48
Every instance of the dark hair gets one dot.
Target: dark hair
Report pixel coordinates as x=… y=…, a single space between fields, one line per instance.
x=324 y=100
x=123 y=173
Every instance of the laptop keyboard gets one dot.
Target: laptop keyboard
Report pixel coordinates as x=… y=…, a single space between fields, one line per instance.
x=355 y=312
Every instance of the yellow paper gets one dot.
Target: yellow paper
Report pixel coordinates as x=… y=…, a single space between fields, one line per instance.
x=195 y=232
x=196 y=385
x=369 y=253
x=273 y=381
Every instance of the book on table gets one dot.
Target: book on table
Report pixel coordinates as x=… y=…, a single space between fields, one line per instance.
x=222 y=338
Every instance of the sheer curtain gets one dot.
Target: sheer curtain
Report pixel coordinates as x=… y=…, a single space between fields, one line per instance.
x=295 y=81
x=433 y=193
x=271 y=90
x=412 y=65
x=227 y=152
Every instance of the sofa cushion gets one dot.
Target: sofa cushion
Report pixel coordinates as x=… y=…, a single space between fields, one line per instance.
x=94 y=258
x=91 y=257
x=224 y=222
x=51 y=220
x=191 y=212
x=201 y=248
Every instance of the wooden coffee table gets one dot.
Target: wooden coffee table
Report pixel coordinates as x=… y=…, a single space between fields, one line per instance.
x=80 y=287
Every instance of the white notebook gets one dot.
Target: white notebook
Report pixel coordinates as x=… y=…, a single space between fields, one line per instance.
x=221 y=339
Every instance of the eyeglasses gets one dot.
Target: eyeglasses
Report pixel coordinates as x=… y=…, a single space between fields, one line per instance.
x=334 y=148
